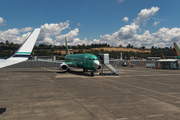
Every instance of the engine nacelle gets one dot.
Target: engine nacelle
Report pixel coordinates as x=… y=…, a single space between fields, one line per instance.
x=63 y=67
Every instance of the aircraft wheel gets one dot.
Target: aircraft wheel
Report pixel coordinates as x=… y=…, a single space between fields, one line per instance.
x=101 y=73
x=92 y=73
x=85 y=70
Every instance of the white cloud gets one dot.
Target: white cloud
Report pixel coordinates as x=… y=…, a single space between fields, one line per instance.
x=120 y=1
x=162 y=38
x=70 y=36
x=127 y=34
x=15 y=35
x=125 y=19
x=51 y=34
x=145 y=15
x=47 y=40
x=146 y=39
x=155 y=23
x=77 y=41
x=167 y=35
x=27 y=29
x=53 y=29
x=2 y=21
x=79 y=24
x=128 y=31
x=96 y=41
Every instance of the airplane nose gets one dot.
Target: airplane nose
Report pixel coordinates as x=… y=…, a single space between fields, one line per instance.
x=96 y=64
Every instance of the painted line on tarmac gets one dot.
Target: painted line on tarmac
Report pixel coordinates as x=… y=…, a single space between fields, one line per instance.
x=143 y=88
x=160 y=115
x=79 y=76
x=122 y=119
x=159 y=75
x=97 y=75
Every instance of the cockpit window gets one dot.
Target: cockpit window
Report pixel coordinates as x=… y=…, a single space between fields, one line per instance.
x=90 y=59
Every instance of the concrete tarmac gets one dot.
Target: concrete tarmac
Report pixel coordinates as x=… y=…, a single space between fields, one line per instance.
x=48 y=94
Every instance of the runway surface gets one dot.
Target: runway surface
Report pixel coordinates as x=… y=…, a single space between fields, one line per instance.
x=49 y=94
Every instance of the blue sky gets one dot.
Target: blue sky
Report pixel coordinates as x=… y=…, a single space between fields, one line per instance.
x=92 y=21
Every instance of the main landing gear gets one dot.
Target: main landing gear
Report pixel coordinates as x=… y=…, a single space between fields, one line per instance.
x=92 y=71
x=85 y=70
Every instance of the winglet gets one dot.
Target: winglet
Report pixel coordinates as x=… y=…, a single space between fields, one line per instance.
x=177 y=51
x=23 y=53
x=67 y=51
x=26 y=48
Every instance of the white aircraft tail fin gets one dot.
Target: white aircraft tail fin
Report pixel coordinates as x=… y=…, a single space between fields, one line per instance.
x=26 y=48
x=23 y=53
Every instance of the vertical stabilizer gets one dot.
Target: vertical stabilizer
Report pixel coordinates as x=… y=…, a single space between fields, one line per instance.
x=67 y=51
x=177 y=51
x=163 y=56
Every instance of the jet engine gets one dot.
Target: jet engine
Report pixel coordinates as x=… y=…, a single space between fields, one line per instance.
x=63 y=67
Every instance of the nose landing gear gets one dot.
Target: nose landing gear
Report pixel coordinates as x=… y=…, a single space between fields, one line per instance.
x=92 y=73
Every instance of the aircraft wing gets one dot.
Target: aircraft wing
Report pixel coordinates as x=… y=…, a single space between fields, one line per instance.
x=67 y=63
x=24 y=51
x=8 y=62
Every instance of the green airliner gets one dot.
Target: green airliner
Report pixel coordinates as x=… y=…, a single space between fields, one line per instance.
x=85 y=61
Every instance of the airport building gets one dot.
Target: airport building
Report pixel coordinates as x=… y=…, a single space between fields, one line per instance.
x=167 y=64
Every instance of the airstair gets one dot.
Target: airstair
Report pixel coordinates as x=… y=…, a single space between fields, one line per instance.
x=104 y=58
x=111 y=68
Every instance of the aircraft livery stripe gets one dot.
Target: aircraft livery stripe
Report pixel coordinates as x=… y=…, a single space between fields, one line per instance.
x=23 y=53
x=73 y=59
x=26 y=56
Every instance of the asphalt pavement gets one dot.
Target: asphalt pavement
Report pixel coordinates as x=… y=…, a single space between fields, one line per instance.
x=48 y=94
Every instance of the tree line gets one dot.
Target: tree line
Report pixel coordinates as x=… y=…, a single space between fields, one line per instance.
x=7 y=49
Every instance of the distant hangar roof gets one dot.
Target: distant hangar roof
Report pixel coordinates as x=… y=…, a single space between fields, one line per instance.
x=167 y=60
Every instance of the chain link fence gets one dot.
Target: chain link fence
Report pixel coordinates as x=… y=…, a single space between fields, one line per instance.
x=115 y=63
